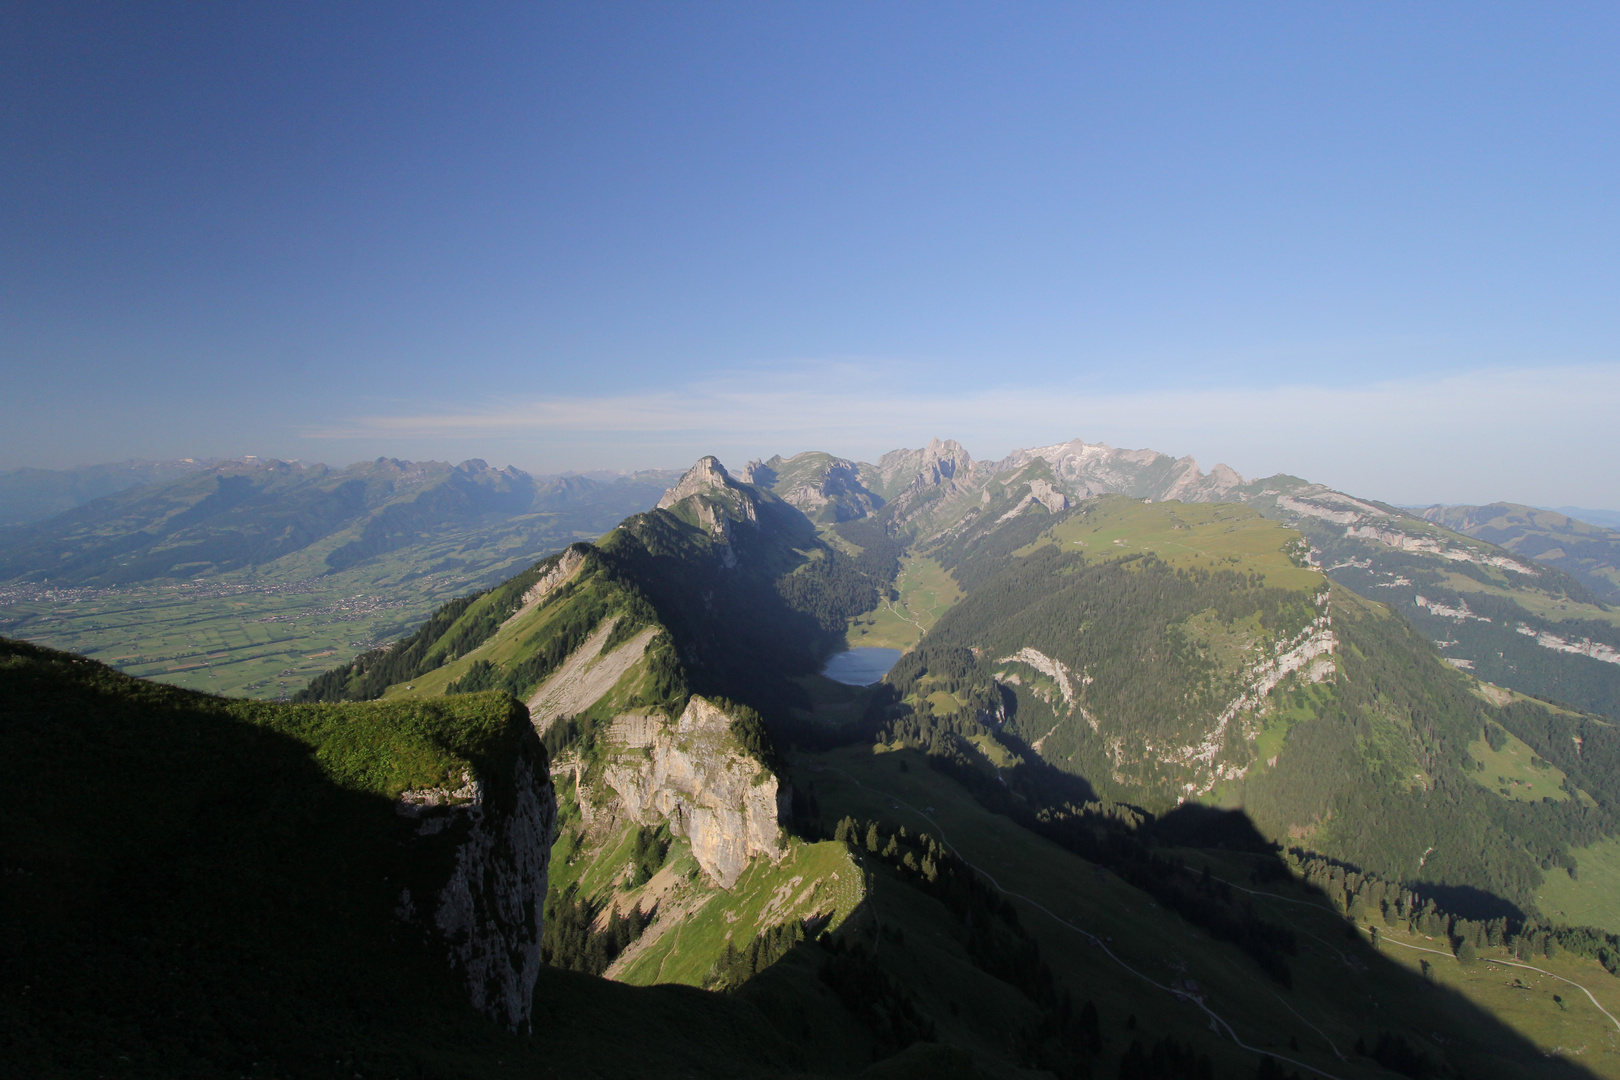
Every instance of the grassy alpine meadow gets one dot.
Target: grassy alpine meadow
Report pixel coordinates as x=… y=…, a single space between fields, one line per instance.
x=1516 y=772
x=1592 y=897
x=1184 y=534
x=926 y=592
x=812 y=879
x=1544 y=1000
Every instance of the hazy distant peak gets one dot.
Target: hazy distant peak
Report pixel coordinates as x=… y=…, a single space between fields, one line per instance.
x=941 y=461
x=825 y=488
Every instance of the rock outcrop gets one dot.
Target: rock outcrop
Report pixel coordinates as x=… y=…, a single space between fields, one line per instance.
x=1041 y=492
x=587 y=674
x=1087 y=469
x=694 y=775
x=566 y=566
x=489 y=914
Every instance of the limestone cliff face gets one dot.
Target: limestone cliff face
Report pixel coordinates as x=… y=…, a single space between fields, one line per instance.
x=488 y=914
x=694 y=775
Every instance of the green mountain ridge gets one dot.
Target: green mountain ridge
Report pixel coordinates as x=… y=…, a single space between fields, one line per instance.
x=1033 y=691
x=1588 y=553
x=30 y=495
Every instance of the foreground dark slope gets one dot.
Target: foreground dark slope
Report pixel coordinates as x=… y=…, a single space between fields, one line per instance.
x=201 y=887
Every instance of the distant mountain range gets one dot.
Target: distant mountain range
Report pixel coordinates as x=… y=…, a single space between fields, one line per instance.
x=250 y=577
x=28 y=495
x=223 y=517
x=1607 y=519
x=1522 y=598
x=1587 y=552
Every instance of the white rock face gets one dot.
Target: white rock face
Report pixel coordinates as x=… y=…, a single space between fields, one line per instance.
x=1406 y=542
x=567 y=566
x=813 y=482
x=1337 y=517
x=693 y=775
x=704 y=477
x=1051 y=667
x=939 y=463
x=1435 y=607
x=1597 y=650
x=586 y=674
x=1087 y=469
x=490 y=911
x=1309 y=653
x=1039 y=492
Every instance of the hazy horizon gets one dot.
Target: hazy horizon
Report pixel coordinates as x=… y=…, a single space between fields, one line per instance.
x=1372 y=246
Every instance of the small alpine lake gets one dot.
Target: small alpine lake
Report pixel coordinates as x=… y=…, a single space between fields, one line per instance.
x=861 y=666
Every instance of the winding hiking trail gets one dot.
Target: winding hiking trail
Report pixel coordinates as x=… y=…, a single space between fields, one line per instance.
x=1093 y=939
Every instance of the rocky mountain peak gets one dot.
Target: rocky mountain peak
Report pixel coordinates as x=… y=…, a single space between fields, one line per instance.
x=942 y=461
x=824 y=487
x=708 y=475
x=708 y=497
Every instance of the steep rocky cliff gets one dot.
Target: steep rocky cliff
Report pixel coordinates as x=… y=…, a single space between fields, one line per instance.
x=488 y=915
x=694 y=775
x=196 y=879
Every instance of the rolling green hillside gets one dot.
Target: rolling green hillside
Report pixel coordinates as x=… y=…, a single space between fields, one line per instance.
x=1166 y=651
x=1588 y=553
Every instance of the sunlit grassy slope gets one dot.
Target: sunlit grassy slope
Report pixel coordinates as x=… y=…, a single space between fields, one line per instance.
x=1512 y=772
x=1592 y=898
x=1184 y=534
x=926 y=592
x=812 y=880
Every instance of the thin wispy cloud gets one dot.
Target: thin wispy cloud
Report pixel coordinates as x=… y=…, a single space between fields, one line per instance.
x=1513 y=433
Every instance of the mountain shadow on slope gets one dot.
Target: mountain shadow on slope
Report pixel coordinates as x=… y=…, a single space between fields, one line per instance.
x=1197 y=825
x=1325 y=971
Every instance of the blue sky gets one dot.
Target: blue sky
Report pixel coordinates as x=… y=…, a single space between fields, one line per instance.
x=1371 y=244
